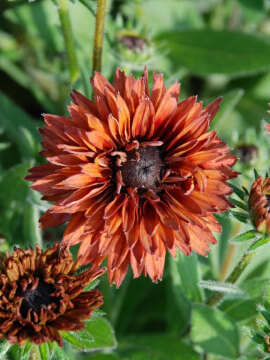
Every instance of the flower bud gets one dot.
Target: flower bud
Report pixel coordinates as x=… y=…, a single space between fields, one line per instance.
x=248 y=154
x=259 y=204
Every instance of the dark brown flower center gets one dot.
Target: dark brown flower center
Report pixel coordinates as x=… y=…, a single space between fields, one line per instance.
x=143 y=168
x=37 y=298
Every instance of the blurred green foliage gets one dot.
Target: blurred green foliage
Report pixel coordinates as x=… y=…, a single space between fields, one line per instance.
x=214 y=48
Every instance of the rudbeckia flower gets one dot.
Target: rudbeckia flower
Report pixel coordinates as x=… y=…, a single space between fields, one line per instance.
x=134 y=173
x=40 y=295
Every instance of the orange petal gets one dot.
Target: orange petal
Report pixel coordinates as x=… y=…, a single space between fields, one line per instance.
x=115 y=205
x=100 y=140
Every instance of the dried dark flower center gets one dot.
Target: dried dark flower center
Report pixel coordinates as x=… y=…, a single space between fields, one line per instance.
x=37 y=299
x=143 y=168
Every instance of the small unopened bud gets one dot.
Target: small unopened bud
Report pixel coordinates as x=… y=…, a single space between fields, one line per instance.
x=247 y=154
x=259 y=204
x=133 y=42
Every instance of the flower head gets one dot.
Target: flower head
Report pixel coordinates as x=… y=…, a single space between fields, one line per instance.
x=40 y=295
x=259 y=204
x=134 y=173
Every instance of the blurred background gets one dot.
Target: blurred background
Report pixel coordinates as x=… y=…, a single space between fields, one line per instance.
x=214 y=48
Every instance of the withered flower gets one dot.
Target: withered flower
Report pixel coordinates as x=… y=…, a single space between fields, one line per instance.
x=259 y=204
x=40 y=295
x=134 y=173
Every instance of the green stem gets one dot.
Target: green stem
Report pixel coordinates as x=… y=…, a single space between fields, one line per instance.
x=69 y=41
x=234 y=276
x=34 y=353
x=98 y=41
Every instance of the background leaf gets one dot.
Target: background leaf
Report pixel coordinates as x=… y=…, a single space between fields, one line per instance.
x=229 y=101
x=158 y=347
x=187 y=271
x=19 y=127
x=14 y=191
x=218 y=52
x=97 y=335
x=214 y=331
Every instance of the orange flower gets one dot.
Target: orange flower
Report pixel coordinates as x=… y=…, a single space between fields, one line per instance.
x=259 y=204
x=40 y=295
x=134 y=173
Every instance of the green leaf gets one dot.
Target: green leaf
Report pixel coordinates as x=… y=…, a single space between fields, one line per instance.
x=13 y=194
x=240 y=309
x=29 y=141
x=229 y=101
x=24 y=351
x=252 y=10
x=4 y=347
x=260 y=242
x=239 y=192
x=167 y=15
x=97 y=335
x=12 y=184
x=240 y=204
x=267 y=296
x=178 y=304
x=264 y=312
x=246 y=307
x=221 y=287
x=188 y=274
x=44 y=351
x=240 y=216
x=248 y=235
x=214 y=331
x=104 y=357
x=60 y=353
x=19 y=127
x=256 y=175
x=254 y=335
x=263 y=325
x=155 y=347
x=4 y=145
x=217 y=52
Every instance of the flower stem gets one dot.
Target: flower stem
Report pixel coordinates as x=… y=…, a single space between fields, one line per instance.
x=235 y=274
x=230 y=253
x=69 y=41
x=98 y=41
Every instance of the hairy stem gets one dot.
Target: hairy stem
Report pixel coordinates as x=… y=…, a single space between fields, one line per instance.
x=229 y=256
x=98 y=41
x=69 y=41
x=235 y=274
